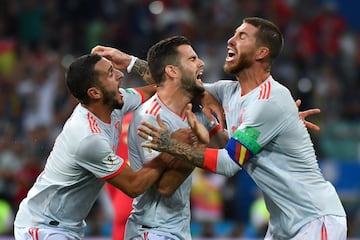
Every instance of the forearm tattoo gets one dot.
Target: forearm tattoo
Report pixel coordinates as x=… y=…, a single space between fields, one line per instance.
x=141 y=68
x=183 y=151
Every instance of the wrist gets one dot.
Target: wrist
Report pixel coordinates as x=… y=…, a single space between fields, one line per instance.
x=131 y=64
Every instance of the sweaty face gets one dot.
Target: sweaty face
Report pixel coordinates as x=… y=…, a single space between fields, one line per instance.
x=241 y=49
x=109 y=84
x=192 y=69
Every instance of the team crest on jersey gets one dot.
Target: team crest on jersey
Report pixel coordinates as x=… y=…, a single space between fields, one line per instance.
x=112 y=160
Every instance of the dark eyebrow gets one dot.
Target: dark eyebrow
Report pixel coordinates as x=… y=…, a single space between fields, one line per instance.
x=110 y=69
x=243 y=33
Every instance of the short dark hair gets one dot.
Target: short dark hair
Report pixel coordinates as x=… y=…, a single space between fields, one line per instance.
x=81 y=75
x=163 y=53
x=268 y=35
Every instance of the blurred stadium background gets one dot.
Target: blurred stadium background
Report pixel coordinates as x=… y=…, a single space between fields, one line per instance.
x=320 y=64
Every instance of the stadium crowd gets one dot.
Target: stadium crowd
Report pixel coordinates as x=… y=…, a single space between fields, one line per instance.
x=40 y=38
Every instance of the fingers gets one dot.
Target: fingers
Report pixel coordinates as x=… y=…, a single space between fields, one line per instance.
x=207 y=112
x=312 y=126
x=310 y=112
x=96 y=49
x=160 y=122
x=298 y=103
x=191 y=118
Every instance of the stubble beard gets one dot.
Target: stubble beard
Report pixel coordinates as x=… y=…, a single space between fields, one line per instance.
x=193 y=89
x=111 y=100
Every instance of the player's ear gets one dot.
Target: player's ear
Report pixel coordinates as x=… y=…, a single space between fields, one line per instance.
x=94 y=93
x=171 y=70
x=262 y=52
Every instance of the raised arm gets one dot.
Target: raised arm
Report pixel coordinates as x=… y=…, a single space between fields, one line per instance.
x=124 y=61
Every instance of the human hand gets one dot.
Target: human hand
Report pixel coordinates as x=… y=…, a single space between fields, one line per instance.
x=184 y=135
x=119 y=59
x=304 y=114
x=157 y=138
x=210 y=106
x=201 y=133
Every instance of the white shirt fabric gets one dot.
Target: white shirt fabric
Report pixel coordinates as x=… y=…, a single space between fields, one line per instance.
x=168 y=217
x=83 y=157
x=275 y=149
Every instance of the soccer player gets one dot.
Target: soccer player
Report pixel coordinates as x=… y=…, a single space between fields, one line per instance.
x=163 y=211
x=267 y=139
x=83 y=157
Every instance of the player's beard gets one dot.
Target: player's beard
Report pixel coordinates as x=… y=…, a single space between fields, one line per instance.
x=110 y=99
x=239 y=64
x=191 y=85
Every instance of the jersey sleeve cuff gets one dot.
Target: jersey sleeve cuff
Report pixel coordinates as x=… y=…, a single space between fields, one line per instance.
x=210 y=159
x=115 y=173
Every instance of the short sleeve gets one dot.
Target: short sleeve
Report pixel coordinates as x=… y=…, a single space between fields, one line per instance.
x=95 y=155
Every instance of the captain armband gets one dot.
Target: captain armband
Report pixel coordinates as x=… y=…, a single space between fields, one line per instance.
x=243 y=145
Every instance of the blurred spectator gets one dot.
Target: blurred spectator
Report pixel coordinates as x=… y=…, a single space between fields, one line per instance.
x=6 y=218
x=206 y=200
x=38 y=38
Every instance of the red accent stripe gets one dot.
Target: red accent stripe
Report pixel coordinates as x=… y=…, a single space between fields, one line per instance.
x=34 y=232
x=157 y=110
x=37 y=233
x=115 y=173
x=147 y=110
x=141 y=94
x=154 y=108
x=324 y=235
x=269 y=90
x=94 y=127
x=210 y=159
x=262 y=93
x=265 y=91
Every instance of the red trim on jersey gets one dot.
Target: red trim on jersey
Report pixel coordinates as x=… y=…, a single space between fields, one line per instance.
x=115 y=173
x=210 y=159
x=34 y=232
x=265 y=90
x=154 y=108
x=214 y=130
x=141 y=94
x=324 y=235
x=94 y=127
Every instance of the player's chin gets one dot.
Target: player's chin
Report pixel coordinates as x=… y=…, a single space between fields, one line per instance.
x=120 y=103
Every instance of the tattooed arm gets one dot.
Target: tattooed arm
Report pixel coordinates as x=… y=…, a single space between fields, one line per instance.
x=141 y=68
x=214 y=160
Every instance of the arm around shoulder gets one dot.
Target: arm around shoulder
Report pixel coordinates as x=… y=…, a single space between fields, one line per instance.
x=135 y=183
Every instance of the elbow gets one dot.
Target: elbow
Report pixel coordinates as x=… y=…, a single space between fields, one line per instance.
x=134 y=191
x=230 y=172
x=165 y=191
x=132 y=194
